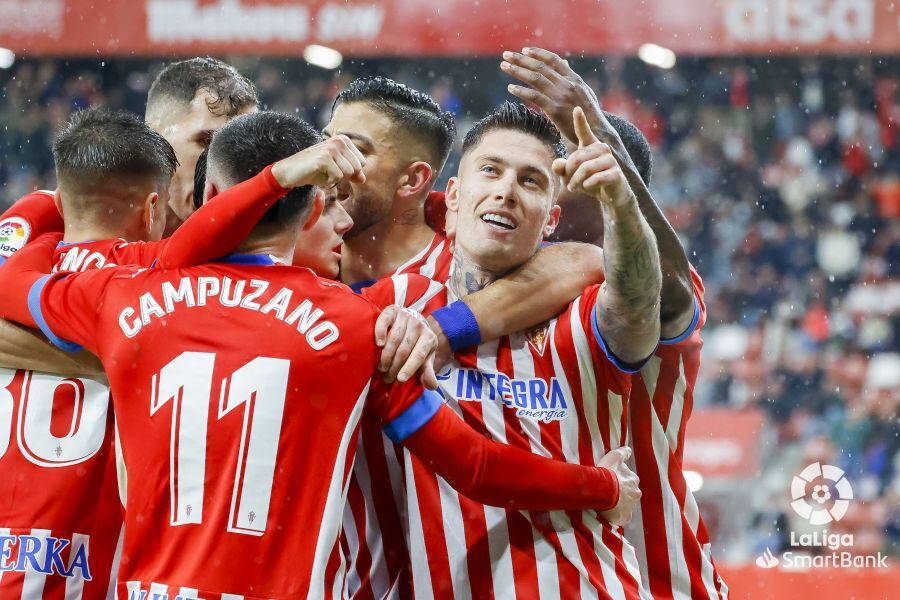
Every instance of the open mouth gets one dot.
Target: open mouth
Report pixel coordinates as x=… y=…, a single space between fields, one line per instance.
x=499 y=221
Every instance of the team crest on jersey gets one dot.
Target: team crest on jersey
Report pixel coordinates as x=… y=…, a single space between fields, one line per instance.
x=14 y=233
x=534 y=398
x=537 y=337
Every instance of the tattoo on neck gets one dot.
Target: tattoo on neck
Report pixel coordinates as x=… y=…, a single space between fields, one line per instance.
x=468 y=278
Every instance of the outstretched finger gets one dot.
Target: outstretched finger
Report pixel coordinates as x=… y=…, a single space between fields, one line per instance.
x=535 y=79
x=583 y=130
x=530 y=64
x=558 y=63
x=528 y=95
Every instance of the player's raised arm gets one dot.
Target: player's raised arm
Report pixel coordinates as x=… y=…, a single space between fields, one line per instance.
x=552 y=85
x=628 y=301
x=229 y=217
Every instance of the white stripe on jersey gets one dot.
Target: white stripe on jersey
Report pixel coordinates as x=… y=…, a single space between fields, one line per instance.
x=607 y=559
x=75 y=583
x=428 y=268
x=588 y=380
x=334 y=503
x=451 y=513
x=523 y=368
x=421 y=253
x=496 y=518
x=547 y=569
x=33 y=587
x=675 y=412
x=681 y=579
x=352 y=538
x=378 y=571
x=563 y=525
x=417 y=553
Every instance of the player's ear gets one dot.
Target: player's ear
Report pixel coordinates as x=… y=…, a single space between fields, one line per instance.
x=318 y=206
x=552 y=220
x=147 y=214
x=209 y=192
x=57 y=200
x=414 y=179
x=451 y=196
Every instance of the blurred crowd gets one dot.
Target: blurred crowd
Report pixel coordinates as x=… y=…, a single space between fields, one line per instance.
x=782 y=177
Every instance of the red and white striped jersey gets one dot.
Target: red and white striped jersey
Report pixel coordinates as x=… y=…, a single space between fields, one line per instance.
x=670 y=537
x=555 y=391
x=433 y=261
x=60 y=525
x=374 y=538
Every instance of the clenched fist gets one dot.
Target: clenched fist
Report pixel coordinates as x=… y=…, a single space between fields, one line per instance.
x=323 y=165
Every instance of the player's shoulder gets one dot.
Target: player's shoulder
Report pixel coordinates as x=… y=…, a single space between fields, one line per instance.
x=331 y=291
x=27 y=218
x=404 y=289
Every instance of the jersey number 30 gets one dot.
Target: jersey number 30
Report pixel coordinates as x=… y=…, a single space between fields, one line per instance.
x=259 y=389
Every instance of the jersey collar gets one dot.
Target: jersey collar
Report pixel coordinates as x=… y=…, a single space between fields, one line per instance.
x=265 y=260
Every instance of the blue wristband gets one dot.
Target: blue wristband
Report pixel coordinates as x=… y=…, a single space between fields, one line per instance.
x=459 y=325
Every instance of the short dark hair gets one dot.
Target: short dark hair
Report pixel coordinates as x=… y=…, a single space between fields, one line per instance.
x=251 y=142
x=180 y=81
x=99 y=146
x=412 y=109
x=517 y=117
x=635 y=144
x=200 y=178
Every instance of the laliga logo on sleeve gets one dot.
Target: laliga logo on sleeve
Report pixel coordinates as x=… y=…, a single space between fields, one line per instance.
x=13 y=235
x=821 y=494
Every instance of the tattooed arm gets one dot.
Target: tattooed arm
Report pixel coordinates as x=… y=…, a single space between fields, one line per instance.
x=557 y=89
x=628 y=302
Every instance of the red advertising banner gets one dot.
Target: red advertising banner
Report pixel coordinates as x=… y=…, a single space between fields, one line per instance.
x=723 y=442
x=446 y=27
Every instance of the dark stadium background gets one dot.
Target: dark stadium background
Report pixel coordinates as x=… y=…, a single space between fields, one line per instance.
x=779 y=167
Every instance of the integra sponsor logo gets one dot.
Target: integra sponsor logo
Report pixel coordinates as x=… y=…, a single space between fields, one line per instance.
x=43 y=555
x=535 y=398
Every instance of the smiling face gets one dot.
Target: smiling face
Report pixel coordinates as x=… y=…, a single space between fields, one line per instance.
x=504 y=198
x=378 y=140
x=318 y=247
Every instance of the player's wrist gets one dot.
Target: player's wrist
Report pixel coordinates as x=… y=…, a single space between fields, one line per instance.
x=459 y=325
x=611 y=482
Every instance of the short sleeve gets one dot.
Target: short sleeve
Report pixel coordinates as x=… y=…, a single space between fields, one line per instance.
x=588 y=315
x=402 y=408
x=66 y=307
x=381 y=293
x=408 y=290
x=699 y=317
x=30 y=217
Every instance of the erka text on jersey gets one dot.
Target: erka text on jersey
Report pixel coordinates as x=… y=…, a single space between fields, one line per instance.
x=536 y=399
x=45 y=554
x=240 y=294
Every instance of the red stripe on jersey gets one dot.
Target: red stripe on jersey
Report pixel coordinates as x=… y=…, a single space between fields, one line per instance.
x=671 y=538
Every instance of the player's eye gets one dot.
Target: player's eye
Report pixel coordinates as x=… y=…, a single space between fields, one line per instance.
x=531 y=182
x=489 y=169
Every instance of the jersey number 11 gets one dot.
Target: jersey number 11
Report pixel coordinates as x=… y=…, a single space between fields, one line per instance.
x=259 y=387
